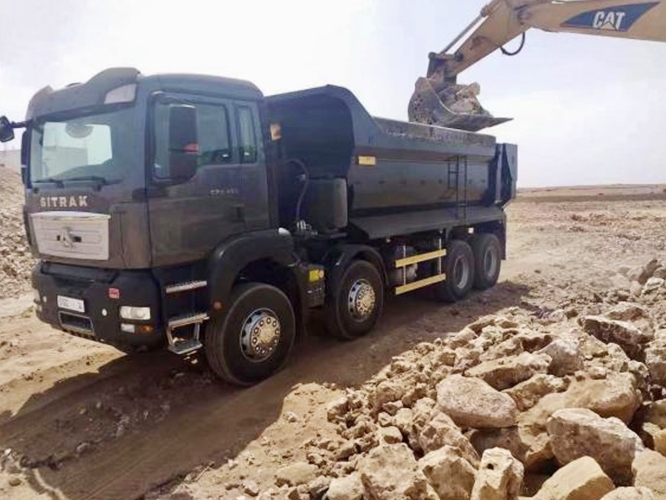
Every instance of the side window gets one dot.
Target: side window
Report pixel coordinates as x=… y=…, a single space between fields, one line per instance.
x=213 y=135
x=247 y=136
x=211 y=147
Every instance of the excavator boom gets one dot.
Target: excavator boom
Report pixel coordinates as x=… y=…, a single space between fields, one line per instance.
x=439 y=100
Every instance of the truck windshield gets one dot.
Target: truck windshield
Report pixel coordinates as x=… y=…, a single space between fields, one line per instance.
x=91 y=147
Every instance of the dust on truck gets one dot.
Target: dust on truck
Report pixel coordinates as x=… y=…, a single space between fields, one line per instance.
x=192 y=212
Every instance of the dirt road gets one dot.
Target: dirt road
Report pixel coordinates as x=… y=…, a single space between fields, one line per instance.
x=81 y=421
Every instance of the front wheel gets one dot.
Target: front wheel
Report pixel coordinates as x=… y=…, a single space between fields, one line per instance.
x=254 y=339
x=355 y=302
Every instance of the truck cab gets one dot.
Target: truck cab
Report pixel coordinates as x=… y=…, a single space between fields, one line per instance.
x=193 y=212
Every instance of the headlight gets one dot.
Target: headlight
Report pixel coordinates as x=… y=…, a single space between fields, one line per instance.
x=36 y=297
x=135 y=313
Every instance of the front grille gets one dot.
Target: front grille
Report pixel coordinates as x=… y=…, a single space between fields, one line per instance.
x=76 y=324
x=75 y=235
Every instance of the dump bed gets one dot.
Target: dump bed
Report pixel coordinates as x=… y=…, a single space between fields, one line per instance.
x=396 y=172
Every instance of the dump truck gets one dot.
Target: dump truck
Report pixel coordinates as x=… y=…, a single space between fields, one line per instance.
x=193 y=212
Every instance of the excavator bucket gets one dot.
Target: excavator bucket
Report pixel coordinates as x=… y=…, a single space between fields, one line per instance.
x=452 y=106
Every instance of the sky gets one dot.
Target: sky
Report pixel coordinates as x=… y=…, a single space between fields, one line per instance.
x=587 y=110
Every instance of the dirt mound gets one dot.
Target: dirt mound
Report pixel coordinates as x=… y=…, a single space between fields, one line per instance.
x=15 y=258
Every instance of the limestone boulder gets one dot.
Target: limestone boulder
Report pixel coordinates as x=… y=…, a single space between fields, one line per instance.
x=656 y=413
x=649 y=470
x=658 y=436
x=643 y=273
x=386 y=391
x=390 y=472
x=655 y=360
x=449 y=473
x=615 y=395
x=623 y=333
x=471 y=402
x=500 y=476
x=503 y=373
x=630 y=494
x=528 y=393
x=337 y=409
x=441 y=431
x=582 y=479
x=346 y=488
x=652 y=285
x=628 y=311
x=389 y=435
x=578 y=432
x=295 y=474
x=566 y=357
x=531 y=448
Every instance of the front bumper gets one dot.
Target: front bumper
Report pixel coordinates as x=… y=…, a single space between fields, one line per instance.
x=103 y=292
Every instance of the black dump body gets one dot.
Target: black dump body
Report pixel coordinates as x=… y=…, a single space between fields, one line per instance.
x=402 y=178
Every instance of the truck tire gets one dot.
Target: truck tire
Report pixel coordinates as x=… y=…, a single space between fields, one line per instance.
x=487 y=260
x=356 y=302
x=254 y=338
x=459 y=270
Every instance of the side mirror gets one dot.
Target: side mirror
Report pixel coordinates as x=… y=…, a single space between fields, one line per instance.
x=6 y=130
x=183 y=142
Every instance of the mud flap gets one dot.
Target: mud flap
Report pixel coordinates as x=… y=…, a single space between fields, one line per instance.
x=427 y=107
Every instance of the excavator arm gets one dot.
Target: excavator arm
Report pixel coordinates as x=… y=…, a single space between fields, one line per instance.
x=439 y=100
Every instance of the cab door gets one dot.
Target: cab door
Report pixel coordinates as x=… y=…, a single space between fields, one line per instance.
x=253 y=174
x=202 y=189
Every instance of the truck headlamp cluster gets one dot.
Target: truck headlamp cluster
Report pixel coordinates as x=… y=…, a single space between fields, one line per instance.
x=126 y=93
x=135 y=313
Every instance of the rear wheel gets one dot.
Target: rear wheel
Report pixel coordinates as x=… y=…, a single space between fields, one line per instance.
x=487 y=260
x=356 y=302
x=254 y=339
x=459 y=270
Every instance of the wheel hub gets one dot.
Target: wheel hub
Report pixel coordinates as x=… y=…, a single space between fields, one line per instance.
x=361 y=300
x=260 y=335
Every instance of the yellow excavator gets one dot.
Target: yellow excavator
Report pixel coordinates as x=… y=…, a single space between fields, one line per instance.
x=439 y=100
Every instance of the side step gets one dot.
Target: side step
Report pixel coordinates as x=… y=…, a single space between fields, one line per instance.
x=186 y=320
x=185 y=346
x=185 y=286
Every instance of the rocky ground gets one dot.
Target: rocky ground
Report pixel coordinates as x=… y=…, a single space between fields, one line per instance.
x=15 y=258
x=548 y=386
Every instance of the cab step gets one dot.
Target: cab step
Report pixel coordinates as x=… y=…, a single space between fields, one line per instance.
x=186 y=346
x=185 y=286
x=186 y=320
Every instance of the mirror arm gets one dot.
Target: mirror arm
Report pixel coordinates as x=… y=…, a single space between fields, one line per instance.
x=19 y=124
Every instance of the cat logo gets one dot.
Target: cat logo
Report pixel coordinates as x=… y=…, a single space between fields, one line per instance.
x=619 y=18
x=608 y=20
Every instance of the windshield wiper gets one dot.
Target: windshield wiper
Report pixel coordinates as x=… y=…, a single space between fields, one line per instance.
x=96 y=178
x=52 y=180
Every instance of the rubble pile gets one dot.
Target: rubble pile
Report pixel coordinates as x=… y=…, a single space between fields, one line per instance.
x=565 y=406
x=15 y=259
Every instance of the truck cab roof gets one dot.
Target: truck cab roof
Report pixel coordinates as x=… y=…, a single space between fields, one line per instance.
x=94 y=92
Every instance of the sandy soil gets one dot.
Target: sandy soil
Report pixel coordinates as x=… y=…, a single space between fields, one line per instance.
x=81 y=421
